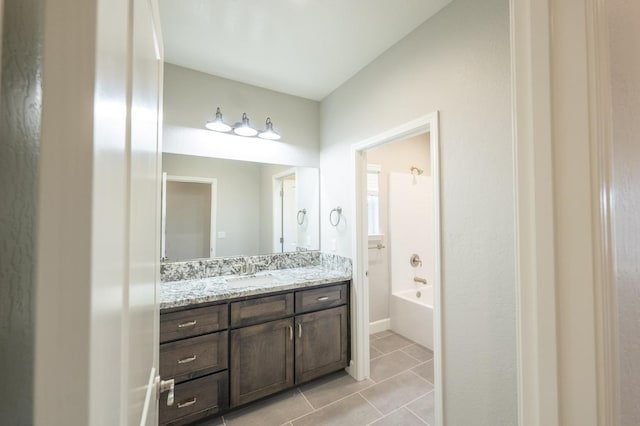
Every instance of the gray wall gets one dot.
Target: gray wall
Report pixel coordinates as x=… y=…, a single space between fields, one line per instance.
x=191 y=98
x=238 y=199
x=20 y=113
x=625 y=74
x=458 y=63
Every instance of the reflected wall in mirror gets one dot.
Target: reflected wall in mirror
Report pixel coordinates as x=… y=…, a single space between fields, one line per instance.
x=237 y=208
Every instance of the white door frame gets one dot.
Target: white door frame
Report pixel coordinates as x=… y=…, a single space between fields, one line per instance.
x=277 y=186
x=214 y=191
x=360 y=294
x=567 y=352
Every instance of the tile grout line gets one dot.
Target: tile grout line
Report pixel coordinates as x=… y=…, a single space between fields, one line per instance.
x=325 y=406
x=413 y=412
x=306 y=399
x=370 y=423
x=426 y=380
x=395 y=350
x=414 y=357
x=407 y=369
x=374 y=407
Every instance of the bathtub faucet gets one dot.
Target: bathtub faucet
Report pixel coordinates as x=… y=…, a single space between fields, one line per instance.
x=420 y=280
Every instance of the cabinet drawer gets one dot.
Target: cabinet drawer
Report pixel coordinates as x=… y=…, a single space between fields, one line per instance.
x=192 y=322
x=188 y=358
x=196 y=399
x=321 y=298
x=262 y=309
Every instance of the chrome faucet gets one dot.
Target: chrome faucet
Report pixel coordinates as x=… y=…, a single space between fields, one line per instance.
x=247 y=267
x=420 y=280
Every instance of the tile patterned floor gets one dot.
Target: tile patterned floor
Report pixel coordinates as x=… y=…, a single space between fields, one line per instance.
x=399 y=393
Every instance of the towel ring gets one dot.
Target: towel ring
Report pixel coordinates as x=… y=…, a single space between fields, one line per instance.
x=302 y=212
x=336 y=210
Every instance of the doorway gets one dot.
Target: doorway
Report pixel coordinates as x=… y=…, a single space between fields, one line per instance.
x=188 y=218
x=285 y=235
x=427 y=126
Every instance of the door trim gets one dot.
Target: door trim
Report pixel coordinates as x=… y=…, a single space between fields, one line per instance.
x=214 y=191
x=533 y=56
x=360 y=294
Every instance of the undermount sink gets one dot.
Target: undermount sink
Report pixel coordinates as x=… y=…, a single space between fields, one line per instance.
x=250 y=280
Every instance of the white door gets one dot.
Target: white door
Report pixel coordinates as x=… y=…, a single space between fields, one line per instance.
x=289 y=225
x=144 y=217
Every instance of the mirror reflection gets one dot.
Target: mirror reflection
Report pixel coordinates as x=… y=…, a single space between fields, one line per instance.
x=217 y=207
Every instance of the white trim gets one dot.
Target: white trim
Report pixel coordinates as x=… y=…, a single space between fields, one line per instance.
x=214 y=202
x=534 y=233
x=360 y=294
x=539 y=117
x=601 y=143
x=380 y=325
x=276 y=182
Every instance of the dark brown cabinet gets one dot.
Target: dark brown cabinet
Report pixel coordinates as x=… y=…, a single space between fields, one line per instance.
x=261 y=360
x=321 y=343
x=226 y=355
x=194 y=353
x=308 y=341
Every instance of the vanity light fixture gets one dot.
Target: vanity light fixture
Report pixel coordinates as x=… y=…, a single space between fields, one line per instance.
x=242 y=128
x=269 y=133
x=218 y=125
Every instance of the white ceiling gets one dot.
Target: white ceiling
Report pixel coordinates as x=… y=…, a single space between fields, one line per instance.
x=305 y=48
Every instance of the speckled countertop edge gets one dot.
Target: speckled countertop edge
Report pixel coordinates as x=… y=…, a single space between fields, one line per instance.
x=176 y=294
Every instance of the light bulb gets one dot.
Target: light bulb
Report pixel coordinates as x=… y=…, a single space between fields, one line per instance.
x=218 y=125
x=269 y=133
x=244 y=129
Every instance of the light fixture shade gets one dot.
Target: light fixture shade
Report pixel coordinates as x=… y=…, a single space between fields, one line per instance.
x=269 y=133
x=244 y=128
x=218 y=125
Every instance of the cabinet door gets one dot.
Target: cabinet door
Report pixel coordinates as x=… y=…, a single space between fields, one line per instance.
x=321 y=343
x=261 y=360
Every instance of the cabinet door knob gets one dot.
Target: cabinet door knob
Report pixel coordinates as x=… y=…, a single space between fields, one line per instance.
x=323 y=298
x=299 y=330
x=290 y=333
x=187 y=403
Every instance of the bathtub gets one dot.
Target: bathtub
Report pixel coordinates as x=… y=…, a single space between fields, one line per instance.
x=412 y=315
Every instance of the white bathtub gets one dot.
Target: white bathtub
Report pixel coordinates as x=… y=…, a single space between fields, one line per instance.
x=412 y=315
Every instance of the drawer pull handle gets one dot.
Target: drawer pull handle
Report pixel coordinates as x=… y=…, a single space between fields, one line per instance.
x=323 y=298
x=290 y=333
x=187 y=360
x=187 y=324
x=299 y=330
x=188 y=403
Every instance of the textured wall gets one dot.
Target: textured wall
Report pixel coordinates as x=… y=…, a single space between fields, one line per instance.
x=625 y=73
x=457 y=62
x=20 y=111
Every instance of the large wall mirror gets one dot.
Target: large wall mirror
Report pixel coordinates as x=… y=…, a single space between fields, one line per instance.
x=217 y=208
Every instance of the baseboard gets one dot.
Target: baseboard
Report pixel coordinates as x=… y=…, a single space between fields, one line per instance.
x=380 y=325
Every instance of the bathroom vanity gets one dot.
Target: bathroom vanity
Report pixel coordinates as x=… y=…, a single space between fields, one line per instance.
x=230 y=340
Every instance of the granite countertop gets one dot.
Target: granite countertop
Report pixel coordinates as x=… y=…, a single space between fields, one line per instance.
x=190 y=292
